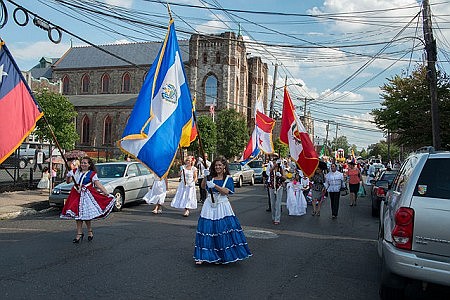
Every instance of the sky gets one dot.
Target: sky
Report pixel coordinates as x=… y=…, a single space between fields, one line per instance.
x=336 y=54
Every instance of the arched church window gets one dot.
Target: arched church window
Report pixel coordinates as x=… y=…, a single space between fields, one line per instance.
x=85 y=82
x=126 y=83
x=105 y=83
x=211 y=91
x=66 y=84
x=85 y=124
x=217 y=57
x=107 y=131
x=205 y=57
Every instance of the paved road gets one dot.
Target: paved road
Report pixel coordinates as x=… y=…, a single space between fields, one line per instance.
x=137 y=255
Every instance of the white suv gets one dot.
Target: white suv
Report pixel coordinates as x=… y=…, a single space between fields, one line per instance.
x=414 y=236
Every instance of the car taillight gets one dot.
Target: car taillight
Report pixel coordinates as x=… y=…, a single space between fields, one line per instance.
x=381 y=192
x=402 y=234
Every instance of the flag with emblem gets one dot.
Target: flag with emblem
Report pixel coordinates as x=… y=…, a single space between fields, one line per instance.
x=293 y=134
x=163 y=108
x=19 y=111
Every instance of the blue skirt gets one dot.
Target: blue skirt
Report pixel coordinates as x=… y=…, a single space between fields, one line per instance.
x=219 y=237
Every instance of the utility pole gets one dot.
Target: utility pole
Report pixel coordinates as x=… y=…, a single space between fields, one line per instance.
x=335 y=139
x=274 y=86
x=430 y=47
x=326 y=137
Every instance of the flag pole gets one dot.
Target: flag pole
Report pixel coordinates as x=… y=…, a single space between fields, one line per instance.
x=201 y=149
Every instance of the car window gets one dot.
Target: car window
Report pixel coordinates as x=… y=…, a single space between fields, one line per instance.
x=388 y=176
x=143 y=169
x=132 y=169
x=110 y=171
x=234 y=167
x=404 y=174
x=434 y=180
x=255 y=164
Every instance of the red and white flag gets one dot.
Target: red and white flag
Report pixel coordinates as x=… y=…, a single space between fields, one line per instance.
x=294 y=135
x=261 y=138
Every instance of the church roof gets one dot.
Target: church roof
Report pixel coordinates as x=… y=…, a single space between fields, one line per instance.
x=111 y=100
x=138 y=53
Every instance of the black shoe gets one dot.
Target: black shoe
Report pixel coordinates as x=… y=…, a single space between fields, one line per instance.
x=90 y=237
x=79 y=238
x=268 y=209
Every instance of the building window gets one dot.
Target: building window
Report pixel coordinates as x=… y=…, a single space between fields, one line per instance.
x=107 y=131
x=66 y=84
x=105 y=83
x=205 y=58
x=237 y=92
x=218 y=57
x=211 y=91
x=126 y=83
x=85 y=130
x=85 y=81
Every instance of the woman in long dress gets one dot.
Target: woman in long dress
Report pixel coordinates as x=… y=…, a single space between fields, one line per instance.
x=295 y=202
x=44 y=183
x=157 y=194
x=85 y=203
x=219 y=238
x=186 y=194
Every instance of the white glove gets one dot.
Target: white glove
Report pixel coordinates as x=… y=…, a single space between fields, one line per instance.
x=206 y=172
x=278 y=174
x=69 y=174
x=210 y=184
x=110 y=195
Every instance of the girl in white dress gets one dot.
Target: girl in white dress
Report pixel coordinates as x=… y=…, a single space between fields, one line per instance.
x=296 y=202
x=44 y=183
x=157 y=194
x=186 y=195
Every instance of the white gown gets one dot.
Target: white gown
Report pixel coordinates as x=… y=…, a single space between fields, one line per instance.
x=296 y=202
x=157 y=194
x=186 y=195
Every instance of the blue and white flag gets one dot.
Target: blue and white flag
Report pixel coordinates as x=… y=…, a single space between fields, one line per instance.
x=162 y=109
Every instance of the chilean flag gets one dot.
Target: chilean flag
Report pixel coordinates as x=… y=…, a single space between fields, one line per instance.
x=19 y=112
x=261 y=138
x=294 y=135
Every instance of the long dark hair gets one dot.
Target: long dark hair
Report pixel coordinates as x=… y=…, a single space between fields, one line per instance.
x=91 y=163
x=226 y=170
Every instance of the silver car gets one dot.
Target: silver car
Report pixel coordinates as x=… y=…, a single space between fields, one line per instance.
x=414 y=236
x=127 y=181
x=241 y=174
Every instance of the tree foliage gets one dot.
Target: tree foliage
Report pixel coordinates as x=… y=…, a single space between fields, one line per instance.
x=60 y=114
x=406 y=109
x=380 y=149
x=232 y=133
x=280 y=148
x=208 y=133
x=341 y=142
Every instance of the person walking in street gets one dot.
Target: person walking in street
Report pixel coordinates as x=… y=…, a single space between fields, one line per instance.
x=85 y=203
x=157 y=194
x=219 y=237
x=354 y=178
x=200 y=170
x=44 y=183
x=334 y=182
x=39 y=157
x=318 y=191
x=186 y=194
x=269 y=166
x=277 y=179
x=295 y=199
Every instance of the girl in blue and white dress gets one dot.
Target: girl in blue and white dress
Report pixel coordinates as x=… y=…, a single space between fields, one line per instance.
x=157 y=194
x=186 y=194
x=219 y=237
x=295 y=202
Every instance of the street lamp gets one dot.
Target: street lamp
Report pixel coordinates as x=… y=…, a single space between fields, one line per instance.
x=273 y=95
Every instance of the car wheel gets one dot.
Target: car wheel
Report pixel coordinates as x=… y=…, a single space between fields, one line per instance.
x=375 y=212
x=120 y=198
x=239 y=183
x=392 y=286
x=252 y=182
x=23 y=163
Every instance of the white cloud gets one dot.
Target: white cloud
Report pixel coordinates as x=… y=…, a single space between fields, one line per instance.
x=29 y=54
x=122 y=3
x=216 y=25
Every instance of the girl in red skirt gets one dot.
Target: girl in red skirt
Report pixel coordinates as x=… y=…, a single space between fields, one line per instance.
x=85 y=203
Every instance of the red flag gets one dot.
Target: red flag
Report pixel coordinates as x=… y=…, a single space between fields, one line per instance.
x=294 y=135
x=19 y=111
x=194 y=132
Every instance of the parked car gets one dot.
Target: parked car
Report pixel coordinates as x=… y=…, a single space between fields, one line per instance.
x=257 y=166
x=380 y=186
x=241 y=174
x=414 y=235
x=128 y=181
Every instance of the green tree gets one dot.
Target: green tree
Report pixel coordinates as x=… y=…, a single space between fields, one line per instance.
x=232 y=133
x=60 y=114
x=208 y=132
x=406 y=109
x=341 y=142
x=280 y=148
x=380 y=149
x=363 y=153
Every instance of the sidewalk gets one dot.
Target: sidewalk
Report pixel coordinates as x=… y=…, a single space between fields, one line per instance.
x=22 y=203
